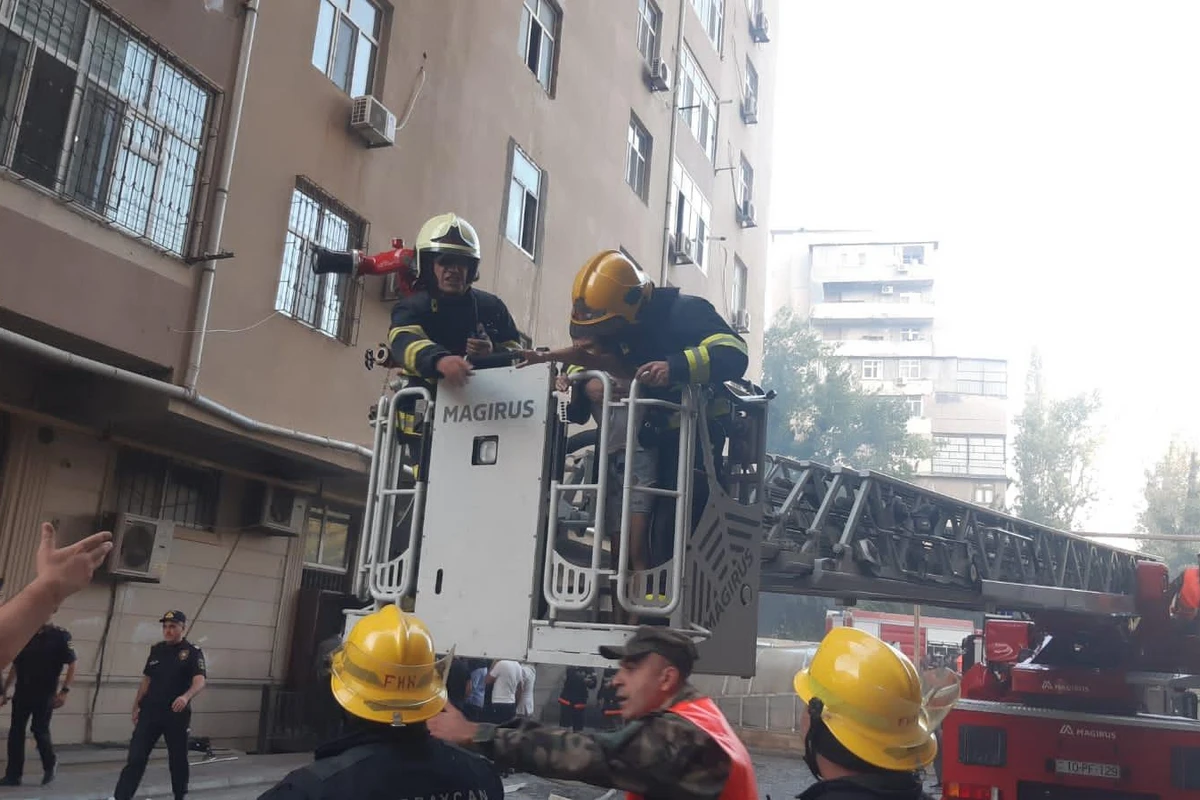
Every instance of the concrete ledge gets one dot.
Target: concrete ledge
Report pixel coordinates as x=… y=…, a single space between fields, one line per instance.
x=775 y=742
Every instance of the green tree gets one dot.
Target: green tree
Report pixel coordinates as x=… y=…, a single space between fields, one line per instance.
x=1172 y=495
x=1054 y=452
x=821 y=411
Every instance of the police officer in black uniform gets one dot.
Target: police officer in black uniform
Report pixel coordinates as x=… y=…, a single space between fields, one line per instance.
x=36 y=670
x=174 y=674
x=389 y=680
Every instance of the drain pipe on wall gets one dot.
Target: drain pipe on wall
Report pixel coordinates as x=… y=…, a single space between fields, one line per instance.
x=176 y=392
x=666 y=247
x=212 y=244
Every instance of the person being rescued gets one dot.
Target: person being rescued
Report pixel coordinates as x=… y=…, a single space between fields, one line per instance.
x=1185 y=596
x=587 y=401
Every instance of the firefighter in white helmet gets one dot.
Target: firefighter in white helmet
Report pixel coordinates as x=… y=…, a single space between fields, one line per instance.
x=388 y=679
x=437 y=330
x=868 y=724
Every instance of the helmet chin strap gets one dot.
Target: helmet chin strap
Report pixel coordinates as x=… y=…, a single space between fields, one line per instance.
x=815 y=706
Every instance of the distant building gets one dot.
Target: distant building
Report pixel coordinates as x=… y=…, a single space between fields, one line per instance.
x=874 y=297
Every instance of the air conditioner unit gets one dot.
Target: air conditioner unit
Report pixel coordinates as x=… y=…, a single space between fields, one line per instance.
x=141 y=547
x=658 y=75
x=760 y=28
x=746 y=214
x=887 y=290
x=275 y=509
x=741 y=320
x=750 y=109
x=685 y=249
x=373 y=122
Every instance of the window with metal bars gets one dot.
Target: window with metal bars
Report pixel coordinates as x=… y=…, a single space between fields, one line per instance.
x=331 y=304
x=95 y=114
x=153 y=486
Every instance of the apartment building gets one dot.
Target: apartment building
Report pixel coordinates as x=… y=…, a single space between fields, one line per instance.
x=169 y=365
x=873 y=296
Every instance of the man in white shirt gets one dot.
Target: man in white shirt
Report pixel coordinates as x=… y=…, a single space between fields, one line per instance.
x=525 y=701
x=505 y=678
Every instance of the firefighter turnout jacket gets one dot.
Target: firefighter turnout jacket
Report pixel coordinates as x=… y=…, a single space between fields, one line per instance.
x=688 y=333
x=426 y=327
x=397 y=764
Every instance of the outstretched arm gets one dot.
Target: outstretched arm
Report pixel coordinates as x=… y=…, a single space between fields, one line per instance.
x=61 y=571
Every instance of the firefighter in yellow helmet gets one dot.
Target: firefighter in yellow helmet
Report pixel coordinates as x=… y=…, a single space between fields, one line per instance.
x=389 y=680
x=624 y=324
x=868 y=727
x=436 y=330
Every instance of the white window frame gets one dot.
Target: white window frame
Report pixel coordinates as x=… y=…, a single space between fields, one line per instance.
x=910 y=369
x=745 y=182
x=541 y=19
x=326 y=514
x=691 y=213
x=517 y=212
x=700 y=101
x=712 y=18
x=750 y=85
x=333 y=20
x=984 y=494
x=915 y=404
x=649 y=29
x=156 y=125
x=334 y=298
x=953 y=454
x=872 y=369
x=741 y=285
x=639 y=150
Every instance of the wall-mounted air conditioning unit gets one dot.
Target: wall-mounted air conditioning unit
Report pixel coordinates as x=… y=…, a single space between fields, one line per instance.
x=373 y=122
x=658 y=75
x=141 y=548
x=746 y=214
x=888 y=290
x=760 y=28
x=685 y=250
x=750 y=109
x=274 y=509
x=741 y=320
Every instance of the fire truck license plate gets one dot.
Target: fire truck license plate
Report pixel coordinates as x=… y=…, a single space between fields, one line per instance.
x=1089 y=769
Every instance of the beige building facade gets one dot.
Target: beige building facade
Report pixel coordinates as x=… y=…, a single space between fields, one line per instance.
x=170 y=367
x=873 y=297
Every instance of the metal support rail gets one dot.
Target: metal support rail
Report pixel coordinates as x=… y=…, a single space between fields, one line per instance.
x=672 y=570
x=848 y=533
x=387 y=579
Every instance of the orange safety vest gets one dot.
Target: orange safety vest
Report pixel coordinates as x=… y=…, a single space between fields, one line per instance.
x=704 y=714
x=1187 y=602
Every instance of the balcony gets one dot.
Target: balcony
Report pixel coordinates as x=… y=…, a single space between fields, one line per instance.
x=899 y=386
x=898 y=312
x=873 y=273
x=873 y=348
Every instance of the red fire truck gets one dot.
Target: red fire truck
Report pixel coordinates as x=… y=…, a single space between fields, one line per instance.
x=941 y=637
x=1078 y=688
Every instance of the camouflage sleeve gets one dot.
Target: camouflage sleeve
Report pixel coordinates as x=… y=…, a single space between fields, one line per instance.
x=660 y=756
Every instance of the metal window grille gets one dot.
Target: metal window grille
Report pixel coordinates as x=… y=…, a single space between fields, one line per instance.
x=969 y=455
x=153 y=486
x=331 y=304
x=99 y=116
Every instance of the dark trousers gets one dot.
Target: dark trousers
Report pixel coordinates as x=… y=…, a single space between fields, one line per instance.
x=38 y=708
x=501 y=713
x=571 y=716
x=150 y=726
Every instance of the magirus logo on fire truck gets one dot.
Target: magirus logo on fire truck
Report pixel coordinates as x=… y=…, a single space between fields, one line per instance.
x=1087 y=733
x=1063 y=687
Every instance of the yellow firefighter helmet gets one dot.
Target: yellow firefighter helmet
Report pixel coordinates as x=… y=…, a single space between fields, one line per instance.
x=388 y=671
x=609 y=292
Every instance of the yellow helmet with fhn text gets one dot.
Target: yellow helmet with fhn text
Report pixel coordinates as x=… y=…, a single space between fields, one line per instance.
x=388 y=671
x=609 y=292
x=447 y=235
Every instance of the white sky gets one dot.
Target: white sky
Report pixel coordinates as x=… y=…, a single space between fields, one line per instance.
x=1054 y=148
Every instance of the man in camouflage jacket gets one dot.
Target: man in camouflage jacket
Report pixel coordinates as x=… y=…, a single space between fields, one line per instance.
x=675 y=743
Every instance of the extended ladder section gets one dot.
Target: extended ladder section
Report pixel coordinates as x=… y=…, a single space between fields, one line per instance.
x=847 y=533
